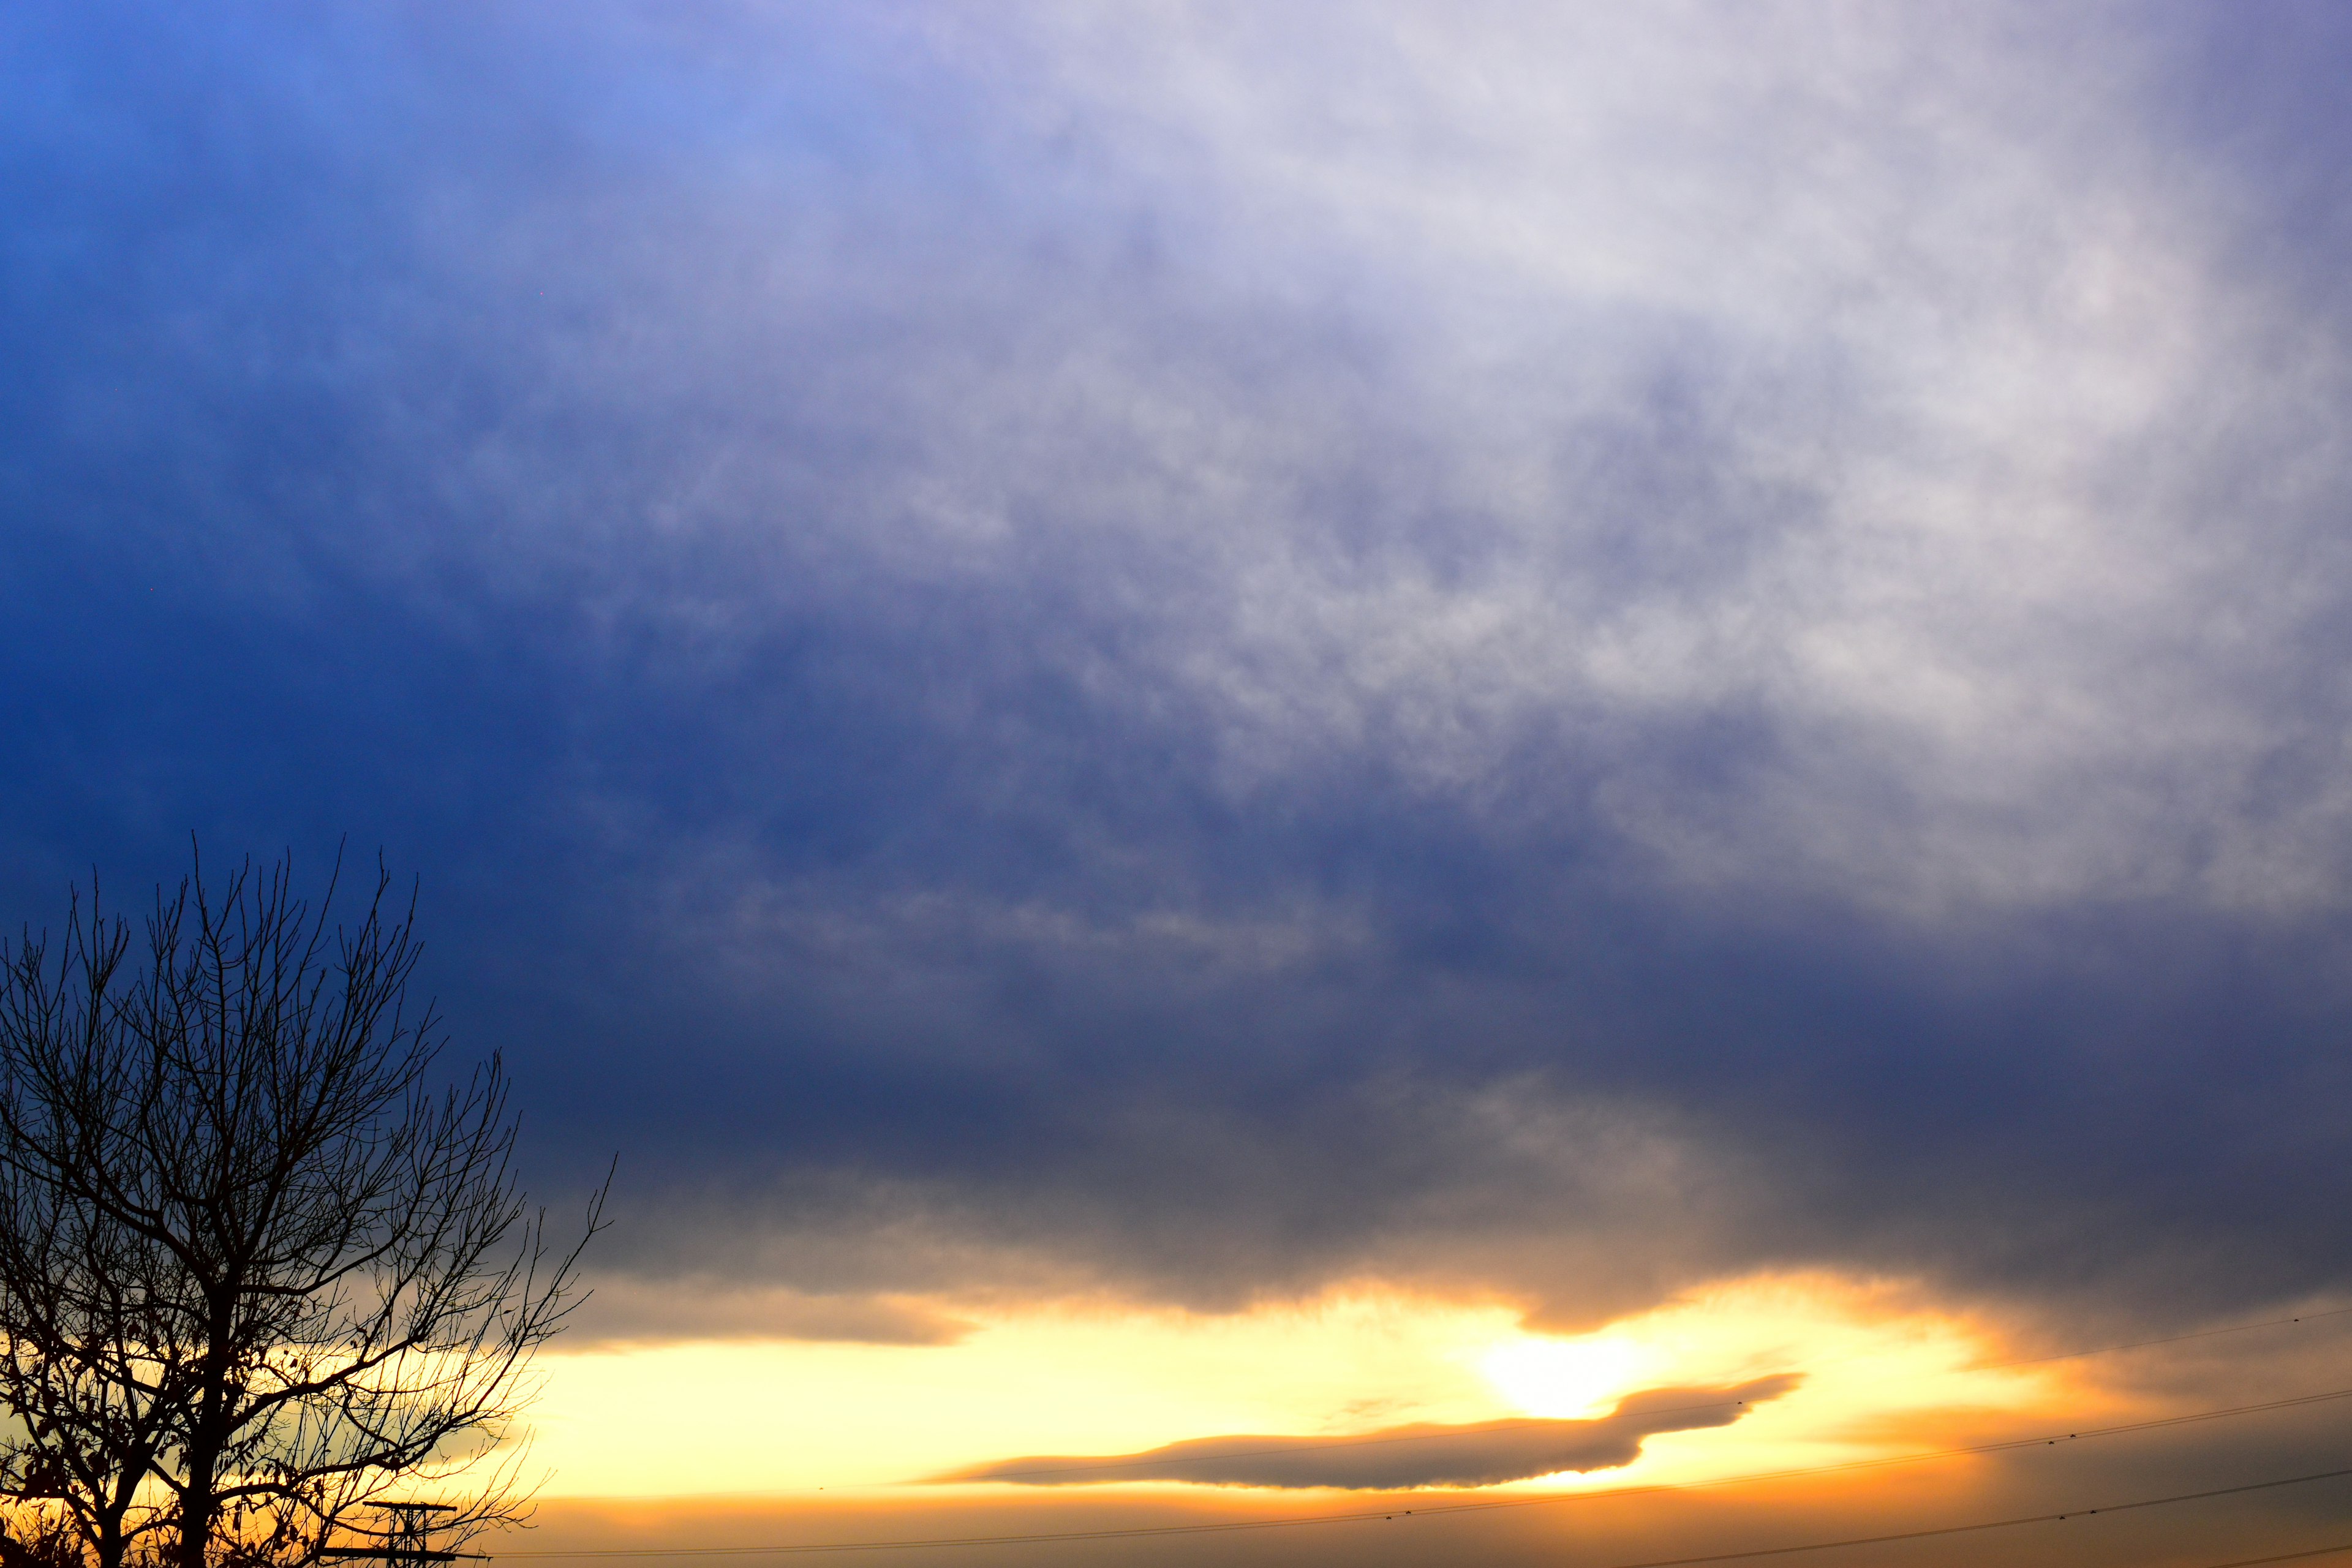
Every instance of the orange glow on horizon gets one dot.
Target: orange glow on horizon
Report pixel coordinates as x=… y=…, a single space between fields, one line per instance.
x=1883 y=1374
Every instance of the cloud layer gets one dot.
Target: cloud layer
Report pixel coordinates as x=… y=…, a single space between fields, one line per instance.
x=1535 y=647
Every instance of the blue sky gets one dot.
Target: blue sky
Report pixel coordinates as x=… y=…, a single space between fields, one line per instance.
x=1198 y=651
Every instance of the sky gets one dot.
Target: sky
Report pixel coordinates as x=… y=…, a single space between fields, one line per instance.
x=1271 y=763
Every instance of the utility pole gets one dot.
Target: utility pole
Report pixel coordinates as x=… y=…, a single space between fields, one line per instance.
x=407 y=1539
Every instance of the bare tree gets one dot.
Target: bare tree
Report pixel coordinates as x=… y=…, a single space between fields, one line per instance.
x=256 y=1271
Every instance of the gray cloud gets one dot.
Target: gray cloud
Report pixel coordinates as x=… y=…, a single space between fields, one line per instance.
x=1555 y=648
x=1481 y=1453
x=622 y=1311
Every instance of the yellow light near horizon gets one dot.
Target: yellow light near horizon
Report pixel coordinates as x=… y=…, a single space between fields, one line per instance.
x=1877 y=1365
x=773 y=1416
x=1872 y=1359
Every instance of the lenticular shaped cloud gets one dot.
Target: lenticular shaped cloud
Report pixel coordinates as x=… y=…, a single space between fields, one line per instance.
x=1478 y=1454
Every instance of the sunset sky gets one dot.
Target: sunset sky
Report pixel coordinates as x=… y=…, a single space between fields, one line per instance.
x=1475 y=781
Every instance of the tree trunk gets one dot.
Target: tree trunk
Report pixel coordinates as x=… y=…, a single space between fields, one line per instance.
x=196 y=1508
x=208 y=1434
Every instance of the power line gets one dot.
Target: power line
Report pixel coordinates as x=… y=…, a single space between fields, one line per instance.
x=1301 y=1520
x=2285 y=1556
x=1237 y=1526
x=1751 y=1552
x=2168 y=1340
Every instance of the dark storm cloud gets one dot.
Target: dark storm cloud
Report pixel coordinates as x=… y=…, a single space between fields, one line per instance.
x=1012 y=657
x=1482 y=1454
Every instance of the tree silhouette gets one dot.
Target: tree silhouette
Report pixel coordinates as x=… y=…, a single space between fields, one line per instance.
x=256 y=1271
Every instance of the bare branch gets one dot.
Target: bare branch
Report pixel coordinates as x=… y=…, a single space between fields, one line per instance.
x=255 y=1269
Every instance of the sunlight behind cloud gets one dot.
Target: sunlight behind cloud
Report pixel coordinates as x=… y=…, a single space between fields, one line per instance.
x=1882 y=1371
x=1567 y=1379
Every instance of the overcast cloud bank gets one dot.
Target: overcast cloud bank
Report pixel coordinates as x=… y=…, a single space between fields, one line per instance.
x=1556 y=650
